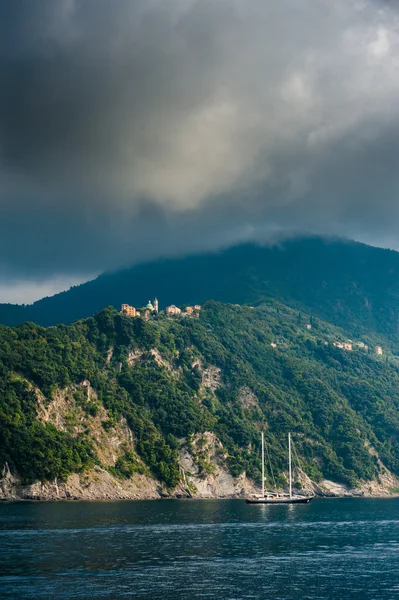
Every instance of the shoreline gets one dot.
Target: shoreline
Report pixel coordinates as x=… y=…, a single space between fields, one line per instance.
x=37 y=500
x=99 y=485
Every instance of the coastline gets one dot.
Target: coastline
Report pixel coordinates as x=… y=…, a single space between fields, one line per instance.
x=39 y=500
x=100 y=485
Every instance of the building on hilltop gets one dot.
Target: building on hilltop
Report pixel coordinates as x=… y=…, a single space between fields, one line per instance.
x=378 y=350
x=153 y=307
x=188 y=311
x=362 y=345
x=343 y=346
x=131 y=311
x=128 y=310
x=173 y=310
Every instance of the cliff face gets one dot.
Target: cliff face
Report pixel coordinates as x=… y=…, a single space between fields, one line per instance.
x=99 y=484
x=203 y=475
x=110 y=439
x=202 y=463
x=94 y=484
x=113 y=407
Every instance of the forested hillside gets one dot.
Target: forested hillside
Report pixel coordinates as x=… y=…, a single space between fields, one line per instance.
x=234 y=372
x=348 y=284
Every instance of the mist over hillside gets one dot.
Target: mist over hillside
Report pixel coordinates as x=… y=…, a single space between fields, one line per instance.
x=347 y=283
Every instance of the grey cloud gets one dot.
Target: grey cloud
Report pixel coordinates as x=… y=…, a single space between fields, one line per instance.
x=141 y=128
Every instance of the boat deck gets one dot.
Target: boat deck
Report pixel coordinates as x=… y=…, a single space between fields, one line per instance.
x=280 y=500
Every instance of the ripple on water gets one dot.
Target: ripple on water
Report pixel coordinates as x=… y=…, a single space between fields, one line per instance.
x=215 y=550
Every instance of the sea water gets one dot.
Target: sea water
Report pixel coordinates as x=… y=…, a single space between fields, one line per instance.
x=200 y=549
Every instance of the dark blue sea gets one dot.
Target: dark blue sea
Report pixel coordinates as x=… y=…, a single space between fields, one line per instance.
x=209 y=549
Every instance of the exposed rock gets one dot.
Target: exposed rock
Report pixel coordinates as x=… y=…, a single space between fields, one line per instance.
x=387 y=484
x=247 y=398
x=133 y=356
x=95 y=484
x=109 y=356
x=162 y=362
x=207 y=477
x=65 y=414
x=99 y=484
x=8 y=484
x=204 y=473
x=136 y=355
x=331 y=488
x=211 y=376
x=211 y=379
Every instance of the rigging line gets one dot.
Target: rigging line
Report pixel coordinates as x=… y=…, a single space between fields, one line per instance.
x=270 y=465
x=297 y=457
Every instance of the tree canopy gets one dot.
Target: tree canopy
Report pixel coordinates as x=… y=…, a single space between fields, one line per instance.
x=272 y=374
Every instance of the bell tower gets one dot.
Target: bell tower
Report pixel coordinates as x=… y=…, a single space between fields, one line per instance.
x=156 y=304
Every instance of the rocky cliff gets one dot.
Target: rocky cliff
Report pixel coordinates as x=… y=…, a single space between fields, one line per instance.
x=117 y=407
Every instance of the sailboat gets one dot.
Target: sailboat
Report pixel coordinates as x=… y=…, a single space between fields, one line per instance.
x=274 y=497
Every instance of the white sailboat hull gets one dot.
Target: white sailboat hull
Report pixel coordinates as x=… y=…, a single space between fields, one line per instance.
x=280 y=500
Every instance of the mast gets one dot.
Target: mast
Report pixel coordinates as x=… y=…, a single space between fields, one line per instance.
x=289 y=463
x=263 y=465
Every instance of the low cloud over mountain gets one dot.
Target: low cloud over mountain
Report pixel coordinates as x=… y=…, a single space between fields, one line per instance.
x=149 y=127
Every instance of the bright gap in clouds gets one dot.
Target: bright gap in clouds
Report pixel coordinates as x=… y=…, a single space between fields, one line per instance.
x=141 y=129
x=26 y=292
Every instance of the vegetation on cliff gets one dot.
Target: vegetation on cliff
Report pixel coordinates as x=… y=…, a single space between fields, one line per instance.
x=351 y=285
x=235 y=371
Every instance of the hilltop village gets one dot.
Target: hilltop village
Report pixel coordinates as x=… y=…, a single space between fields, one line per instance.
x=347 y=346
x=152 y=308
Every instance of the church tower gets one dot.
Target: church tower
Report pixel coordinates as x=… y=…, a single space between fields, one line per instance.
x=156 y=304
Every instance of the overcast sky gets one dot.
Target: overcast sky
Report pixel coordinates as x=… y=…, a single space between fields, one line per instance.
x=142 y=128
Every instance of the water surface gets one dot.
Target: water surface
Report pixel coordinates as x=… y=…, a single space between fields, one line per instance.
x=209 y=549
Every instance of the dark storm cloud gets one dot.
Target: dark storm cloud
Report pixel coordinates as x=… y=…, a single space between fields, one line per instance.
x=137 y=128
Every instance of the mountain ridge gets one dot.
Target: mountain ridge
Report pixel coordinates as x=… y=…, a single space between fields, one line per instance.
x=347 y=283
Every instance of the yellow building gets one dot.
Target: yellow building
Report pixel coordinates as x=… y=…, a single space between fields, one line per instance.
x=128 y=310
x=173 y=310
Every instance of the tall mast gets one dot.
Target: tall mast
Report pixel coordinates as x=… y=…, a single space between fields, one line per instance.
x=263 y=465
x=289 y=462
